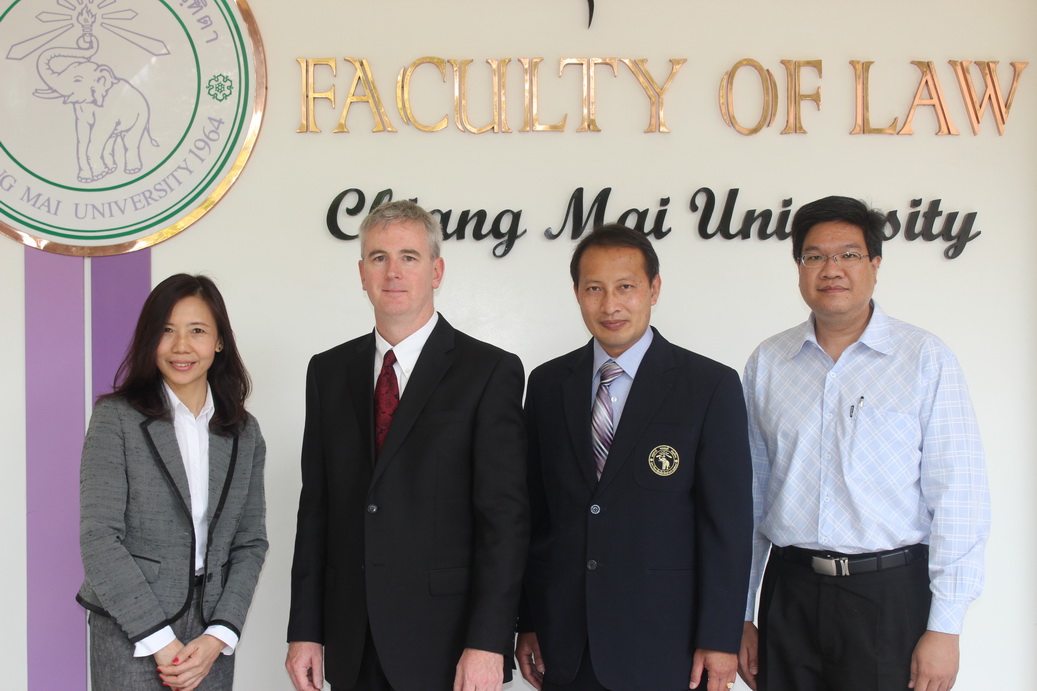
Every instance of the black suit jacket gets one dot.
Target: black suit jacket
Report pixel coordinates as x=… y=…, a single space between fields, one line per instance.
x=428 y=541
x=646 y=566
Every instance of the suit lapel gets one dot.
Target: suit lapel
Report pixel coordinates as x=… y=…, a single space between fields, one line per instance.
x=650 y=387
x=220 y=448
x=161 y=438
x=429 y=370
x=576 y=398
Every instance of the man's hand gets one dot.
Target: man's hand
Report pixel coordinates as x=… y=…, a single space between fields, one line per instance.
x=191 y=663
x=530 y=662
x=749 y=655
x=305 y=665
x=720 y=666
x=479 y=670
x=934 y=664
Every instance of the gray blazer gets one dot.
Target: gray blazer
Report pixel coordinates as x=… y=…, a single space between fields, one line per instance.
x=135 y=530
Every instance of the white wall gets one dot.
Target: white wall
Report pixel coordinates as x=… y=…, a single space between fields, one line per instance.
x=12 y=455
x=293 y=290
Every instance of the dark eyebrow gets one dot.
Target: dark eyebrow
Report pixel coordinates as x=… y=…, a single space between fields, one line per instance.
x=849 y=246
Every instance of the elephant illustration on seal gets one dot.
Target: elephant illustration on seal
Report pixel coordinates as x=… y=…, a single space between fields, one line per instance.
x=108 y=109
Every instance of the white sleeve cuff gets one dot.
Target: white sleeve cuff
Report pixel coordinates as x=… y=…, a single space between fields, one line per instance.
x=154 y=643
x=225 y=636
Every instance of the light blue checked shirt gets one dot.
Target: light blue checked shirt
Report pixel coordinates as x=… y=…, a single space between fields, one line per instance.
x=877 y=451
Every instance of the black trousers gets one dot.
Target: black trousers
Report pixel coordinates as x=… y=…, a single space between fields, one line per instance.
x=840 y=633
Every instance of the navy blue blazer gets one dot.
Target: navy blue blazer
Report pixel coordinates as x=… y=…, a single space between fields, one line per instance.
x=652 y=562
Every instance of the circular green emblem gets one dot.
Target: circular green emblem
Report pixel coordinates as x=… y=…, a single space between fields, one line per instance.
x=124 y=121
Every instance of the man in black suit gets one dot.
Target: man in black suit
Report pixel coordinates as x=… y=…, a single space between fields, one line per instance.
x=413 y=520
x=640 y=492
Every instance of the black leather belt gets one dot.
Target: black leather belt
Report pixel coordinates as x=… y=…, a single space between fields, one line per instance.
x=837 y=564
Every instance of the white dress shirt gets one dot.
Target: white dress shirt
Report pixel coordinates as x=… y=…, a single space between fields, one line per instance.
x=407 y=352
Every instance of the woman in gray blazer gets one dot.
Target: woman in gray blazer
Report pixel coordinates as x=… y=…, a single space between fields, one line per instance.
x=172 y=510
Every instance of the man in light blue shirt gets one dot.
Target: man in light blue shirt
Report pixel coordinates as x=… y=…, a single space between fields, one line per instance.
x=870 y=492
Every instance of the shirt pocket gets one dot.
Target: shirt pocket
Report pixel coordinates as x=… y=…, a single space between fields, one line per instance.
x=886 y=447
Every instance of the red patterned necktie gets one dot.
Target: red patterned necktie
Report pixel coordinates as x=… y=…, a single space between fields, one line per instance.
x=386 y=398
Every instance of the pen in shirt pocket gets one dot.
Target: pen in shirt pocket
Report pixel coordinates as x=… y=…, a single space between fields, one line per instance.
x=857 y=407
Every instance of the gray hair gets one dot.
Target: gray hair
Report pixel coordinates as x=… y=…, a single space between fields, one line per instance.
x=403 y=210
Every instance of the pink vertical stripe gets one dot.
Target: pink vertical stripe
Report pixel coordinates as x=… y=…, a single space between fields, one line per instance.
x=55 y=389
x=118 y=287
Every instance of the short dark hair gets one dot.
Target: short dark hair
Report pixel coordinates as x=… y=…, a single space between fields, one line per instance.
x=138 y=379
x=844 y=209
x=616 y=235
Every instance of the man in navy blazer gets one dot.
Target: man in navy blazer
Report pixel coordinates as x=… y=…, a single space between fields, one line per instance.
x=408 y=561
x=636 y=574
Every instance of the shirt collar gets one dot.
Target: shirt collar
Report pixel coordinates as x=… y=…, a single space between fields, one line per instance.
x=177 y=406
x=877 y=334
x=407 y=350
x=630 y=359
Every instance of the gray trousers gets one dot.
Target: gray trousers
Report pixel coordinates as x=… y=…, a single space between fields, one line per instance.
x=113 y=667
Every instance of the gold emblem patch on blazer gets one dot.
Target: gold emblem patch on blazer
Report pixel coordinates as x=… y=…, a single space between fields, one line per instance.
x=663 y=460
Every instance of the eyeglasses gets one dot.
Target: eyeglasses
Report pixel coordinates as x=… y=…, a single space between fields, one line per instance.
x=814 y=261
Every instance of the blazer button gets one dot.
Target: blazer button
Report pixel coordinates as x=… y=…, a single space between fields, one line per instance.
x=595 y=509
x=372 y=508
x=591 y=565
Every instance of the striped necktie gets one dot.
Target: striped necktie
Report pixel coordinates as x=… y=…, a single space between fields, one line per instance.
x=602 y=425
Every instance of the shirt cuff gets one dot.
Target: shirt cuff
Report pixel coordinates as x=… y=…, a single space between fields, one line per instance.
x=947 y=616
x=154 y=643
x=228 y=638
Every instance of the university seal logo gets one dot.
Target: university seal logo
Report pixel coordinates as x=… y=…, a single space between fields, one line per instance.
x=123 y=121
x=663 y=460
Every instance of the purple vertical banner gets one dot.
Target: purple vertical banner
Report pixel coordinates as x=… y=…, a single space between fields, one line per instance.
x=55 y=393
x=118 y=287
x=55 y=372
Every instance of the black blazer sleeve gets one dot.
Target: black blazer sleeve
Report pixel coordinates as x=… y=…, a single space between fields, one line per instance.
x=501 y=534
x=306 y=620
x=723 y=525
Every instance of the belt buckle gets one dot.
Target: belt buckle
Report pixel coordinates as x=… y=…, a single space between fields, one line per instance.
x=831 y=566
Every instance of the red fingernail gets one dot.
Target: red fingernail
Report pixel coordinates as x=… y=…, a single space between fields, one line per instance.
x=176 y=660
